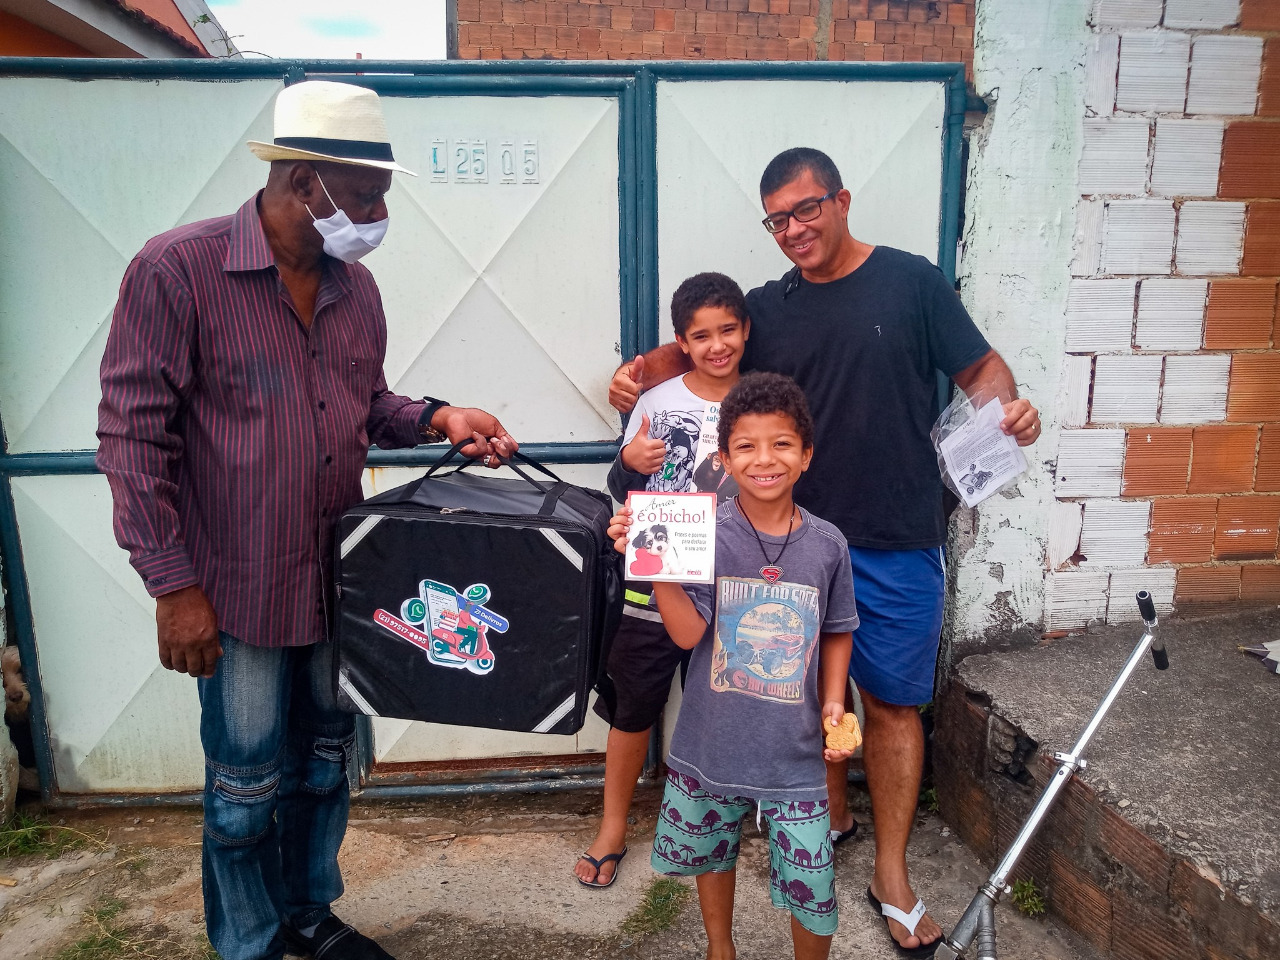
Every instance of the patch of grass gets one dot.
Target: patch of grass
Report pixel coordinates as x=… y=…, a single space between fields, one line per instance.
x=929 y=799
x=659 y=908
x=25 y=834
x=105 y=940
x=110 y=939
x=1026 y=897
x=135 y=865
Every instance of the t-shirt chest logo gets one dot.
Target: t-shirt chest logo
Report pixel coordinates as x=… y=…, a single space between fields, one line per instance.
x=764 y=638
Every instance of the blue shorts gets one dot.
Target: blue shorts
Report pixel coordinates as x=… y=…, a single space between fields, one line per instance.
x=895 y=648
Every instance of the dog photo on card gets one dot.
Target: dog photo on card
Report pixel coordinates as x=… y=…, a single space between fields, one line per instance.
x=673 y=537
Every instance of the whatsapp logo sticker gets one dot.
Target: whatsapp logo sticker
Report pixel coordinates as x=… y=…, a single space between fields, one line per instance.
x=415 y=611
x=477 y=593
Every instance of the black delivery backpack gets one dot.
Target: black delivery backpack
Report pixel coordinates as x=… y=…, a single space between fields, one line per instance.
x=477 y=600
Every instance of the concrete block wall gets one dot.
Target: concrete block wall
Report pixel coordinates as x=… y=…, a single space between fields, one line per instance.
x=903 y=30
x=1168 y=471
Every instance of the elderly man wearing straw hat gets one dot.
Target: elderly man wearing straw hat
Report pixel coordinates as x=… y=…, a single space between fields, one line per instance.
x=241 y=386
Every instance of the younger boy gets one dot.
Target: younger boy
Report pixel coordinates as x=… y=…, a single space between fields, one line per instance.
x=709 y=315
x=762 y=682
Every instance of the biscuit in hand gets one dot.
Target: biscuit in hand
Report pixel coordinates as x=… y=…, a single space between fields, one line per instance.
x=844 y=735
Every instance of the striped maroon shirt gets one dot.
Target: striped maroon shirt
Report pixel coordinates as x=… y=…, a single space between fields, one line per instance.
x=234 y=437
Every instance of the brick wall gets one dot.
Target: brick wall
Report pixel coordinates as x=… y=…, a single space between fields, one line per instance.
x=928 y=30
x=1169 y=470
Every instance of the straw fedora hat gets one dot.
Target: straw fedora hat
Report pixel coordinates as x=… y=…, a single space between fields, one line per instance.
x=322 y=120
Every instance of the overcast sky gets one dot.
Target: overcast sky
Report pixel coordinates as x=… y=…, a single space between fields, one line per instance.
x=335 y=29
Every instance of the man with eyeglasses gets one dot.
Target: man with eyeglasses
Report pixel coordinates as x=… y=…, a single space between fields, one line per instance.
x=863 y=330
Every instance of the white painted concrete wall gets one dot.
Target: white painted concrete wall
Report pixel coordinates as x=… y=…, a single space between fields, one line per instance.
x=1019 y=224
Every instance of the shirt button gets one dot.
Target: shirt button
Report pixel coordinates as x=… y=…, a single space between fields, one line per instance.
x=321 y=404
x=313 y=353
x=328 y=459
x=324 y=513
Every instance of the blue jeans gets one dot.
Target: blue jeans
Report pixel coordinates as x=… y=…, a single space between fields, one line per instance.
x=275 y=794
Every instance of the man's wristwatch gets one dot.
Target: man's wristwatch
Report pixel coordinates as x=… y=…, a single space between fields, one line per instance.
x=430 y=434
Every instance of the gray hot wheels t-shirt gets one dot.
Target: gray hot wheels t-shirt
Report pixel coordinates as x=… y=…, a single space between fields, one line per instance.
x=751 y=719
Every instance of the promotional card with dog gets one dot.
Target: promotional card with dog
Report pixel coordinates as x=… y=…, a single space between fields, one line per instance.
x=673 y=537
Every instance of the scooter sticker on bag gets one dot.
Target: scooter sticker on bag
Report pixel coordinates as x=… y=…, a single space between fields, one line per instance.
x=452 y=628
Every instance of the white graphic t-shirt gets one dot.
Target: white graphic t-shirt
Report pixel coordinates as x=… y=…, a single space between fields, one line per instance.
x=676 y=416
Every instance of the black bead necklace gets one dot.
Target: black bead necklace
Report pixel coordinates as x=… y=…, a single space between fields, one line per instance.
x=771 y=571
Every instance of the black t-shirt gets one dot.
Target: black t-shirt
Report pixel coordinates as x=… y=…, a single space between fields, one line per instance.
x=865 y=349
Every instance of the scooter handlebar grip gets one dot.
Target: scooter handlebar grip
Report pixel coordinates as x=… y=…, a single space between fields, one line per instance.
x=1146 y=606
x=1161 y=658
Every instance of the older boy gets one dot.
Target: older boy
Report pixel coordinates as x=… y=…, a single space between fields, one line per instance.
x=709 y=315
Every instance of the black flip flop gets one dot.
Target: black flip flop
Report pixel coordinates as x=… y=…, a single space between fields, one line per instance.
x=839 y=838
x=615 y=858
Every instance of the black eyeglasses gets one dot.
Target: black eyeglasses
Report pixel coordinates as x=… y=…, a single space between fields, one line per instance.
x=804 y=212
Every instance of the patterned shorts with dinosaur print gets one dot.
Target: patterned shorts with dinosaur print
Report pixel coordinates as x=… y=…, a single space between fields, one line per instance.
x=699 y=832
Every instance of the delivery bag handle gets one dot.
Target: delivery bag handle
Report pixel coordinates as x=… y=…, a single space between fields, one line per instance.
x=552 y=491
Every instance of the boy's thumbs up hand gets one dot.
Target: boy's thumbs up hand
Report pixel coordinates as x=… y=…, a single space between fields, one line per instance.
x=644 y=454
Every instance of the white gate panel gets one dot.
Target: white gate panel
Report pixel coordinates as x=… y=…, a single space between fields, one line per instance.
x=89 y=171
x=409 y=741
x=118 y=721
x=509 y=278
x=716 y=137
x=520 y=277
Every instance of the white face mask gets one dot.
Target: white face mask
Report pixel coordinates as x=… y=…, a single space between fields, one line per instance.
x=344 y=240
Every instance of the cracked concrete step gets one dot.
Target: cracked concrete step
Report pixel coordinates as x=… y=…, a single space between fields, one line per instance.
x=1168 y=844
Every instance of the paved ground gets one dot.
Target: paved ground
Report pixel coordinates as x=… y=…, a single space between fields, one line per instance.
x=474 y=879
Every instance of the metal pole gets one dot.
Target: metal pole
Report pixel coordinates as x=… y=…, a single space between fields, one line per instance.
x=978 y=921
x=1069 y=764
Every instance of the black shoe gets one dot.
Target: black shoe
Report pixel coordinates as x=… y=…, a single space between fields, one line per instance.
x=333 y=940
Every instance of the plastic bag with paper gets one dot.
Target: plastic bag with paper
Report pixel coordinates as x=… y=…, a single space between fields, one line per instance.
x=977 y=459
